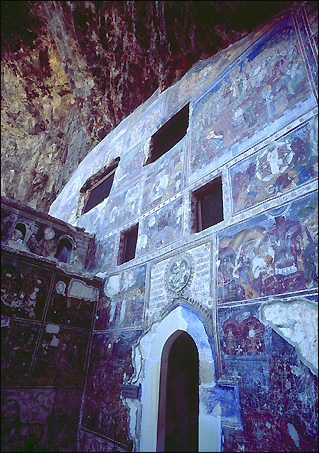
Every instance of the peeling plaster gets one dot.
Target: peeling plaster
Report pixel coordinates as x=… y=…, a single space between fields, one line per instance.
x=297 y=322
x=81 y=290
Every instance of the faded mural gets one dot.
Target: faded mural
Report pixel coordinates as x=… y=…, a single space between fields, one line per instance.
x=25 y=418
x=69 y=308
x=65 y=419
x=244 y=337
x=62 y=340
x=105 y=251
x=24 y=289
x=61 y=357
x=267 y=83
x=161 y=228
x=129 y=169
x=40 y=357
x=32 y=419
x=164 y=179
x=18 y=342
x=110 y=366
x=274 y=253
x=279 y=393
x=42 y=238
x=124 y=304
x=283 y=165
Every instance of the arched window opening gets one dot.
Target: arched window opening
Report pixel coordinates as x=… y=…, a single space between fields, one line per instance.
x=179 y=397
x=64 y=250
x=19 y=232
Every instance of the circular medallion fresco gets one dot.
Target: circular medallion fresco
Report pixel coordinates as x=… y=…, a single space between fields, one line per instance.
x=178 y=273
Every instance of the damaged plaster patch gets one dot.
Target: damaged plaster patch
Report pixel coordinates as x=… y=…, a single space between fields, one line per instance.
x=297 y=322
x=80 y=290
x=113 y=286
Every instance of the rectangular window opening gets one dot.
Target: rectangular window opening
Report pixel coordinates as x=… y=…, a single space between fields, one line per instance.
x=127 y=247
x=169 y=134
x=99 y=192
x=207 y=206
x=97 y=188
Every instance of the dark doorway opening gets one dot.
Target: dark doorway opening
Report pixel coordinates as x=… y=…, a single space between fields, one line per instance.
x=182 y=380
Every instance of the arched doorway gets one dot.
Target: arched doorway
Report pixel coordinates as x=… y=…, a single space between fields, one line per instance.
x=178 y=399
x=150 y=359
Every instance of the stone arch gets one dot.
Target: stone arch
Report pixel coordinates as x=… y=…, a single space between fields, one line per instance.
x=65 y=248
x=21 y=228
x=149 y=354
x=20 y=234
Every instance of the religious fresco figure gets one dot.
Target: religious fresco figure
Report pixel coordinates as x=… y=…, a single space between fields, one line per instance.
x=259 y=261
x=253 y=335
x=43 y=242
x=232 y=339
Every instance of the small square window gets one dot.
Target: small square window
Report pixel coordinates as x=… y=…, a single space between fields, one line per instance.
x=207 y=206
x=127 y=247
x=169 y=134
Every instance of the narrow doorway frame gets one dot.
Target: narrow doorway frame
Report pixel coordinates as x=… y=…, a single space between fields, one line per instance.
x=181 y=318
x=161 y=423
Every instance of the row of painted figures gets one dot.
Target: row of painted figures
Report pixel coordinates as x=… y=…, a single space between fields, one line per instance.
x=44 y=241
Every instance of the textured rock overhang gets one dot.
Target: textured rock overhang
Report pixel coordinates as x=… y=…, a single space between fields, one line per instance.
x=72 y=71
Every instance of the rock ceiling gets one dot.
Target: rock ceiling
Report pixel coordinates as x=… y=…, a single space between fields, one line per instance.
x=73 y=70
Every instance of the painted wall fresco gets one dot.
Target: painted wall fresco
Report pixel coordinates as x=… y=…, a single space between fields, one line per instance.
x=24 y=289
x=41 y=235
x=164 y=178
x=110 y=365
x=107 y=216
x=43 y=241
x=25 y=417
x=65 y=420
x=195 y=275
x=278 y=392
x=35 y=419
x=160 y=228
x=123 y=305
x=39 y=420
x=145 y=128
x=200 y=77
x=61 y=358
x=242 y=334
x=105 y=253
x=7 y=221
x=64 y=308
x=283 y=165
x=267 y=84
x=310 y=45
x=228 y=399
x=296 y=320
x=312 y=16
x=129 y=168
x=274 y=253
x=244 y=337
x=18 y=342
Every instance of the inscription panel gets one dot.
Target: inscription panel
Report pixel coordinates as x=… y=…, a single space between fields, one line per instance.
x=191 y=285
